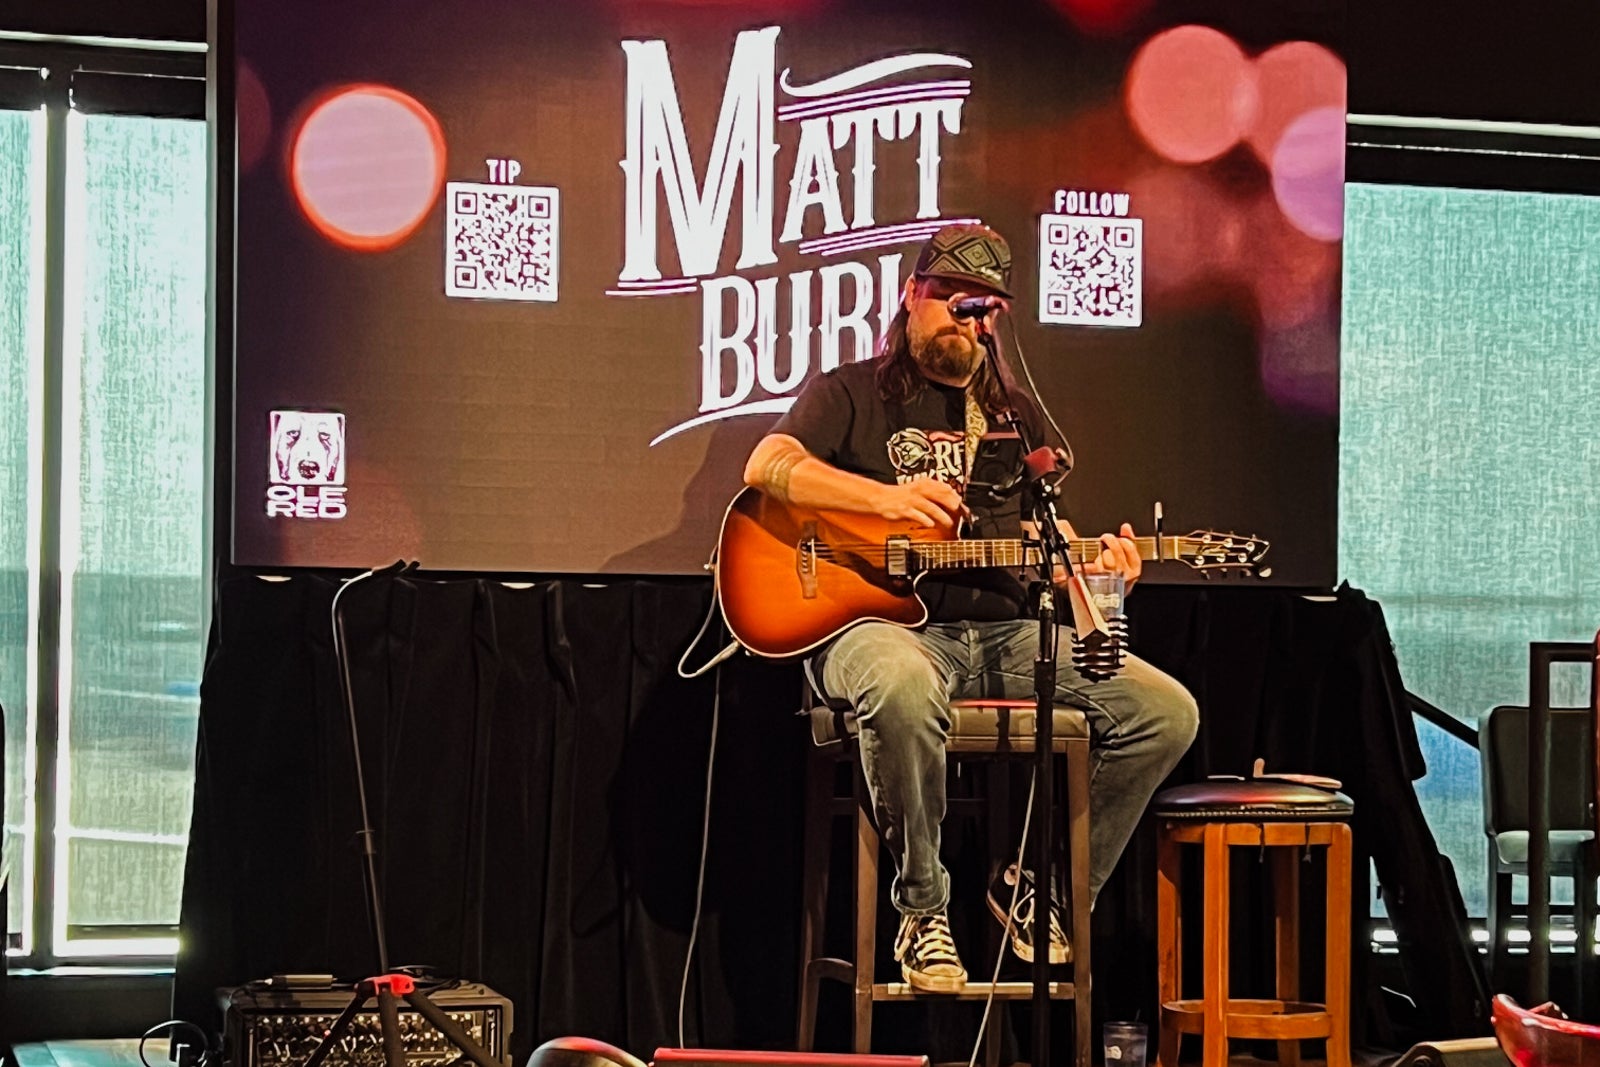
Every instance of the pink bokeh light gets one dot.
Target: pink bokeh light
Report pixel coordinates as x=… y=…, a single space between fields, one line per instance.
x=1191 y=93
x=1300 y=366
x=367 y=165
x=1308 y=173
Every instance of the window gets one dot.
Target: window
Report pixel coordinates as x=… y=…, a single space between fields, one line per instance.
x=133 y=512
x=103 y=418
x=21 y=319
x=1469 y=456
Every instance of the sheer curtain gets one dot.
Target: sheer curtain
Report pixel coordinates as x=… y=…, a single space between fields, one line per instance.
x=1470 y=453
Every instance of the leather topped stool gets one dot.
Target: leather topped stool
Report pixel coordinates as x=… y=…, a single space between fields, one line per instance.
x=1286 y=819
x=978 y=728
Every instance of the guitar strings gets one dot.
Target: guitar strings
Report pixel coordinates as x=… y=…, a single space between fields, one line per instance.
x=1002 y=553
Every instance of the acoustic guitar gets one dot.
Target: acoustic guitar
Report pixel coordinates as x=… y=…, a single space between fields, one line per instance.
x=791 y=579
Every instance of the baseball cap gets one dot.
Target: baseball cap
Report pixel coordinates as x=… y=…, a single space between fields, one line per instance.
x=967 y=252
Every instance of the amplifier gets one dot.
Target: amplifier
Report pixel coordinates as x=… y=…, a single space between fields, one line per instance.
x=265 y=1027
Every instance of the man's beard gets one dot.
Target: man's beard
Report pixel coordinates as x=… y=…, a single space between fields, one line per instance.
x=948 y=353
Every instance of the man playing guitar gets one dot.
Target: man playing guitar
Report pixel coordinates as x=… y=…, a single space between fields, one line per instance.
x=893 y=438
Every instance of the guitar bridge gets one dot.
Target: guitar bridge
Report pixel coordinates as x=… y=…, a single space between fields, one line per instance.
x=805 y=561
x=897 y=556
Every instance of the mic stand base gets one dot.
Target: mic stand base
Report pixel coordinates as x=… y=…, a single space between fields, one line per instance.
x=390 y=989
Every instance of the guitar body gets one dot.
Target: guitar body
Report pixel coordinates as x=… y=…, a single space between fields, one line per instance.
x=791 y=579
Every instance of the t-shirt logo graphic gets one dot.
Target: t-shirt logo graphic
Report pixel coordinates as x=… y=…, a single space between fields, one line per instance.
x=307 y=448
x=928 y=454
x=909 y=451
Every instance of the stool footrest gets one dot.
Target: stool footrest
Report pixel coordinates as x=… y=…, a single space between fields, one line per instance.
x=1283 y=1020
x=973 y=991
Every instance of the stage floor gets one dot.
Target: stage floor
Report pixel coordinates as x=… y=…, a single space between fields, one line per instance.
x=124 y=1052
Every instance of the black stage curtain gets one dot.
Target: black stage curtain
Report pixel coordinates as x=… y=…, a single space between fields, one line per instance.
x=536 y=770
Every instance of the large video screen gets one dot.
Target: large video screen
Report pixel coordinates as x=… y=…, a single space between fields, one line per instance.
x=520 y=284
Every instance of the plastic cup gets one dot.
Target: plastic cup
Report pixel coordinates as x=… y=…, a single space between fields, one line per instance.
x=1124 y=1044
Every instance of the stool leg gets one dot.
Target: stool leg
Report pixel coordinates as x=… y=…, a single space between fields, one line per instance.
x=814 y=891
x=1215 y=1036
x=1169 y=942
x=866 y=919
x=1583 y=904
x=1286 y=935
x=1078 y=816
x=1499 y=922
x=1337 y=993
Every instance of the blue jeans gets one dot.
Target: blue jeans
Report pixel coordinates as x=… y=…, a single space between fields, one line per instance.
x=900 y=683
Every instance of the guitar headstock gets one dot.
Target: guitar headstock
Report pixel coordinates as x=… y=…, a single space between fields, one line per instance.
x=1210 y=552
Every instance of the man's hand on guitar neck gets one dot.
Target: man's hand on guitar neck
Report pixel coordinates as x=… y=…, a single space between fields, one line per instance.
x=781 y=467
x=1118 y=554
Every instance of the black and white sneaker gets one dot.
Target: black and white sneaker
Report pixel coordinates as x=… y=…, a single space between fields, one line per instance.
x=1019 y=926
x=927 y=954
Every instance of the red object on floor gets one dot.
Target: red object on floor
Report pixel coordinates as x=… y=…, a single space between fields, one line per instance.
x=1543 y=1037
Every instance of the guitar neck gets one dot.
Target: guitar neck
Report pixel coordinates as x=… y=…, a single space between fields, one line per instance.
x=1006 y=552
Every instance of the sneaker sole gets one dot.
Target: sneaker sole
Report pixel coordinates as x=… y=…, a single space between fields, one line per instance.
x=1021 y=948
x=933 y=983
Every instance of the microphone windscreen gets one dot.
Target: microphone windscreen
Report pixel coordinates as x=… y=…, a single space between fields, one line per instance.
x=1040 y=463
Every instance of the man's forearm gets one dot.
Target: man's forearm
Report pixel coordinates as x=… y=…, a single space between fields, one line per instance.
x=781 y=467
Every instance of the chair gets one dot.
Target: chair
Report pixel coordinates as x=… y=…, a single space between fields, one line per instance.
x=1503 y=756
x=1543 y=1037
x=1287 y=820
x=989 y=729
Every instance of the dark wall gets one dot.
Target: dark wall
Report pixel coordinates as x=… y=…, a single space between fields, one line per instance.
x=1473 y=59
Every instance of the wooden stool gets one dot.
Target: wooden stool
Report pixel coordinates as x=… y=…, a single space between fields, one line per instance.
x=978 y=728
x=1287 y=818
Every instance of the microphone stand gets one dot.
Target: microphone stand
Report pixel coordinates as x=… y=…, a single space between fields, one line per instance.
x=1041 y=496
x=389 y=988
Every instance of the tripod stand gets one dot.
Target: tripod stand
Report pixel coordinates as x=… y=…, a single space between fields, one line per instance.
x=388 y=988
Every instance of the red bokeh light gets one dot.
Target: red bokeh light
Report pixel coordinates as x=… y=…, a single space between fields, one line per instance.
x=1295 y=277
x=367 y=165
x=1194 y=230
x=1103 y=18
x=1293 y=78
x=1191 y=93
x=253 y=118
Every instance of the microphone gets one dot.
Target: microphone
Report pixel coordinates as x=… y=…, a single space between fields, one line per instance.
x=975 y=307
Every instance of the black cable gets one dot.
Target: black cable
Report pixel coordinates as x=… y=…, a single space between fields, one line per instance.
x=1022 y=361
x=705 y=846
x=176 y=1024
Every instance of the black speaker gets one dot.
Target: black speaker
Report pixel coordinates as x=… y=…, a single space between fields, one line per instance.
x=1469 y=1052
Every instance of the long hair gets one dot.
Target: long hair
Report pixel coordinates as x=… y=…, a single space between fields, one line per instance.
x=899 y=378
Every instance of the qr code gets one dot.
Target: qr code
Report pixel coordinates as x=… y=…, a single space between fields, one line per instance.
x=1089 y=271
x=501 y=241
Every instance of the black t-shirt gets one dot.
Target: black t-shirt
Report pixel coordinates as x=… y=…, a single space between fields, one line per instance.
x=841 y=419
